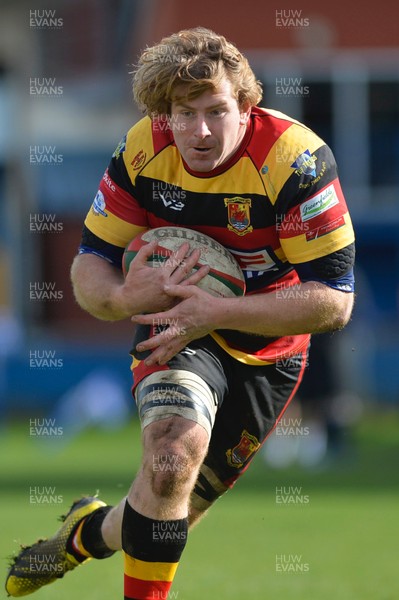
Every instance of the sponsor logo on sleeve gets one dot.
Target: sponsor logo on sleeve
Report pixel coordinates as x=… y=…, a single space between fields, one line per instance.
x=108 y=182
x=323 y=169
x=318 y=204
x=121 y=147
x=99 y=205
x=305 y=164
x=318 y=232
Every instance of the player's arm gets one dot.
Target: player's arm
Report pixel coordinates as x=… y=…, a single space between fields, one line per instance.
x=94 y=283
x=310 y=307
x=101 y=290
x=322 y=302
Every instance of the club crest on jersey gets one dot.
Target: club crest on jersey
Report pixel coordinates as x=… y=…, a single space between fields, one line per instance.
x=139 y=160
x=248 y=444
x=305 y=164
x=238 y=215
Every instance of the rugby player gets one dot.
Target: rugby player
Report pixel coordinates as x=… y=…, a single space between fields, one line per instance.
x=209 y=391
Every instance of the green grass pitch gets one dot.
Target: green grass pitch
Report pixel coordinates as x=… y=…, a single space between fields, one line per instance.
x=344 y=538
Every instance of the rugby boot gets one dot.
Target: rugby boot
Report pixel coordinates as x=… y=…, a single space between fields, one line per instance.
x=48 y=559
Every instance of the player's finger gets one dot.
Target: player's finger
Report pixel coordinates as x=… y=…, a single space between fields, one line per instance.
x=178 y=291
x=148 y=319
x=196 y=276
x=144 y=253
x=160 y=343
x=185 y=267
x=165 y=352
x=177 y=258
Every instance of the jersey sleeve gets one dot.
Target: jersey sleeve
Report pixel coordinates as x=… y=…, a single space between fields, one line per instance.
x=334 y=270
x=313 y=220
x=91 y=244
x=116 y=217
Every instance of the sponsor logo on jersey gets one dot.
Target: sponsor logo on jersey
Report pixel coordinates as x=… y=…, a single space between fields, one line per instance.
x=172 y=196
x=318 y=232
x=171 y=203
x=248 y=444
x=238 y=215
x=305 y=164
x=318 y=204
x=121 y=147
x=108 y=182
x=99 y=205
x=260 y=260
x=188 y=351
x=139 y=160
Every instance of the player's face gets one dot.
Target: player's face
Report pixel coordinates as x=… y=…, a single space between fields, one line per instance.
x=208 y=129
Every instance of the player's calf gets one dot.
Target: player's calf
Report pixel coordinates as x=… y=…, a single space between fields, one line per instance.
x=155 y=523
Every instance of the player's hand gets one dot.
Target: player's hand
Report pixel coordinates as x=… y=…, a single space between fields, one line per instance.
x=144 y=285
x=191 y=318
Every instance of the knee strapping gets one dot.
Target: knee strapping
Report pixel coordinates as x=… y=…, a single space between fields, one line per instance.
x=176 y=392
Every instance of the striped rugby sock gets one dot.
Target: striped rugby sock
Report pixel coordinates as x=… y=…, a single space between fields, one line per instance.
x=152 y=551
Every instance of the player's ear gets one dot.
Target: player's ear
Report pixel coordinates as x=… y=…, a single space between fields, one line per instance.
x=245 y=113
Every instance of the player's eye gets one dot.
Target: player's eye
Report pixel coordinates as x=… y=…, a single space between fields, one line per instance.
x=217 y=112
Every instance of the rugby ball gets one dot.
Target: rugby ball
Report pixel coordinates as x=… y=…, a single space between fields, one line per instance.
x=225 y=278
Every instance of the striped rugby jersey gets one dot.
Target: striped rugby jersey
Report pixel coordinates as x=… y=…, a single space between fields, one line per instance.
x=276 y=204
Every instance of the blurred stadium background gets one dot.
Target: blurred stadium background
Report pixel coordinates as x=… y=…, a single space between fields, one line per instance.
x=65 y=102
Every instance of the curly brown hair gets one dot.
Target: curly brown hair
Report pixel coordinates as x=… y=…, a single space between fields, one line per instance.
x=198 y=58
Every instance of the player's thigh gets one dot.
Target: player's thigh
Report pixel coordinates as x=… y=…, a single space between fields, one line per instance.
x=257 y=399
x=191 y=386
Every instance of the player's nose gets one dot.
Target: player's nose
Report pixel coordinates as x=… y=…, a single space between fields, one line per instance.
x=201 y=128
